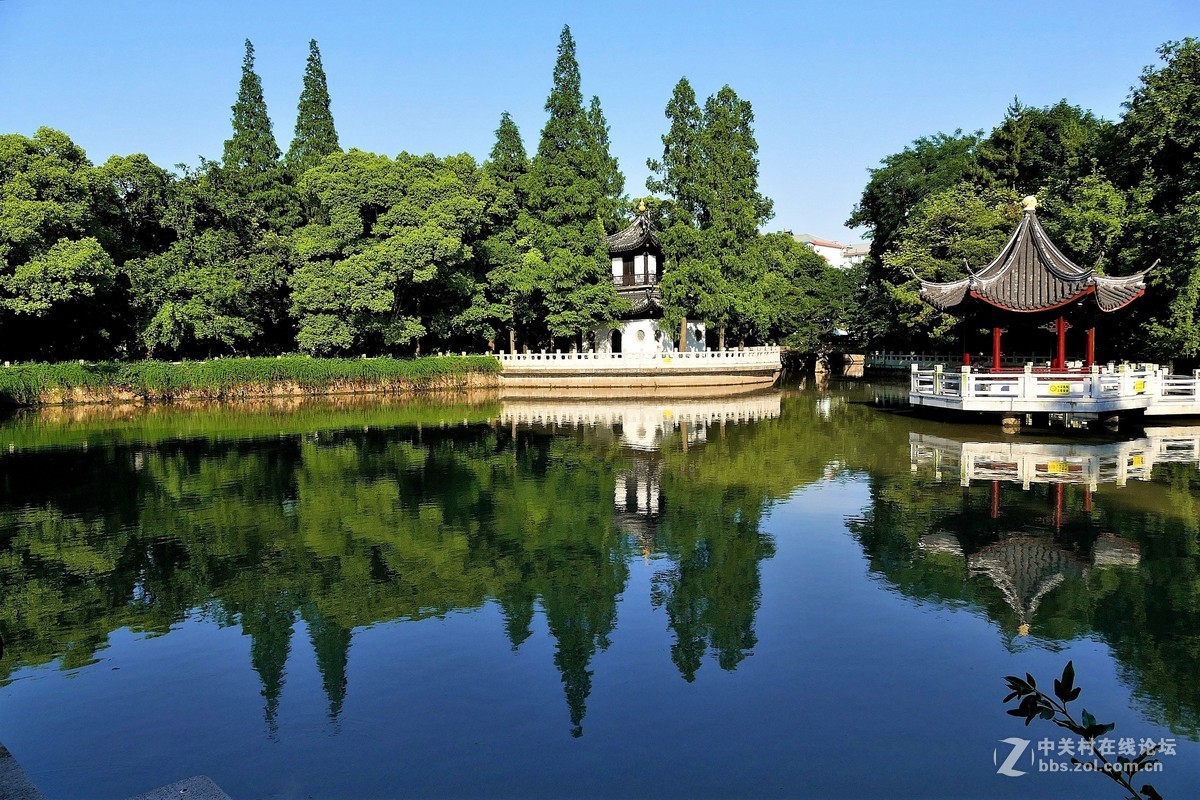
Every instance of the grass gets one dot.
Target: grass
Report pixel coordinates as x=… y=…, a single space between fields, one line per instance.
x=216 y=379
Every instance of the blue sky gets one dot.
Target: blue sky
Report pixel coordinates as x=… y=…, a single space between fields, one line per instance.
x=835 y=86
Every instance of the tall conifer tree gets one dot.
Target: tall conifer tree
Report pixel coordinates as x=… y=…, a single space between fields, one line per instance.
x=710 y=170
x=252 y=146
x=678 y=171
x=508 y=162
x=508 y=284
x=603 y=167
x=315 y=136
x=566 y=195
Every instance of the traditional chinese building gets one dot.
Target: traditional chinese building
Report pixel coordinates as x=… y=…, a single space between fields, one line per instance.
x=637 y=268
x=1032 y=283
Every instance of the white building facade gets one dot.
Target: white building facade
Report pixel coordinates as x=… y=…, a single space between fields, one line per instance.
x=637 y=264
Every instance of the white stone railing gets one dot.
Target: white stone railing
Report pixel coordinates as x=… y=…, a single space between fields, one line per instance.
x=1100 y=383
x=769 y=356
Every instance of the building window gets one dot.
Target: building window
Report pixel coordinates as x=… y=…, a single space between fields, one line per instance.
x=627 y=267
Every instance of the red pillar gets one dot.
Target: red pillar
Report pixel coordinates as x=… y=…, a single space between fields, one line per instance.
x=995 y=498
x=1058 y=506
x=1087 y=499
x=995 y=349
x=1091 y=348
x=1060 y=354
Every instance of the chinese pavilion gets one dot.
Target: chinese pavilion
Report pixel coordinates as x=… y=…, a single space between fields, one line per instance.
x=637 y=264
x=1031 y=276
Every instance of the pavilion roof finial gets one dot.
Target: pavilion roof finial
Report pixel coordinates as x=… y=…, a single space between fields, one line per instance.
x=1030 y=204
x=642 y=207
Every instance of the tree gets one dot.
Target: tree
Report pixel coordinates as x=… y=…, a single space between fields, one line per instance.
x=1032 y=147
x=506 y=300
x=251 y=166
x=603 y=167
x=712 y=163
x=315 y=135
x=252 y=147
x=930 y=164
x=219 y=287
x=962 y=224
x=567 y=190
x=58 y=284
x=379 y=274
x=678 y=171
x=1156 y=155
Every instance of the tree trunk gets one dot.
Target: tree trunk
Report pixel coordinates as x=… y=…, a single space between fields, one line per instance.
x=512 y=341
x=683 y=335
x=721 y=337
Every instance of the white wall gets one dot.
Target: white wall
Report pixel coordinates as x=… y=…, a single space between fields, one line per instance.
x=652 y=340
x=836 y=256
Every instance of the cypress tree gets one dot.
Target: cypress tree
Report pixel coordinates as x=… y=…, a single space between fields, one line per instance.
x=252 y=146
x=508 y=283
x=315 y=136
x=507 y=162
x=566 y=199
x=730 y=203
x=603 y=167
x=678 y=171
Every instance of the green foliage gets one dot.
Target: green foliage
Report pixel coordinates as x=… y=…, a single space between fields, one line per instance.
x=381 y=269
x=929 y=165
x=315 y=135
x=252 y=146
x=1034 y=704
x=219 y=287
x=58 y=282
x=571 y=193
x=1034 y=146
x=958 y=226
x=27 y=384
x=679 y=171
x=713 y=215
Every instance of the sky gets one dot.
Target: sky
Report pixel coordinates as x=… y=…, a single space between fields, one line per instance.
x=835 y=86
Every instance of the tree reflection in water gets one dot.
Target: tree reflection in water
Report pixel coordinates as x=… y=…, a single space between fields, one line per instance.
x=329 y=518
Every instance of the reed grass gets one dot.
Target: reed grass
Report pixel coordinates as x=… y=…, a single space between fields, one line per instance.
x=223 y=378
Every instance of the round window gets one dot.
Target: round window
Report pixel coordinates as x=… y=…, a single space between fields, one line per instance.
x=641 y=335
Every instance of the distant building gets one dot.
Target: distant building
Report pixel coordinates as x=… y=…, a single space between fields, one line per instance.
x=842 y=256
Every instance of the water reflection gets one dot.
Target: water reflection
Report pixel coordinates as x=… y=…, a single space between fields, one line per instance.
x=303 y=526
x=1056 y=540
x=535 y=507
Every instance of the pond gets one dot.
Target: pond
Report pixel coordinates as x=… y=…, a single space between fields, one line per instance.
x=800 y=593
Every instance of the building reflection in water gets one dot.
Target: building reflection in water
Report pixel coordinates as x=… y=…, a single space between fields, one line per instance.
x=1027 y=564
x=643 y=428
x=708 y=546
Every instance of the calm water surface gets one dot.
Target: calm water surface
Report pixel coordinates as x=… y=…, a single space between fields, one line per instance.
x=802 y=593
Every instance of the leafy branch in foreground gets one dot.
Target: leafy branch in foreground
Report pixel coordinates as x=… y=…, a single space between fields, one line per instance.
x=1035 y=703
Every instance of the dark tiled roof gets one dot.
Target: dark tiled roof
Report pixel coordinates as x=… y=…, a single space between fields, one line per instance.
x=640 y=233
x=1031 y=274
x=643 y=300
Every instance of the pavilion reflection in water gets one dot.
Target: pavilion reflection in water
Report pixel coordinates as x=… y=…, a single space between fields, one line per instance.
x=1026 y=563
x=642 y=427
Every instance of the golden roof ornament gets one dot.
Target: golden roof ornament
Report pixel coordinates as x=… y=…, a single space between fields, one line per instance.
x=642 y=207
x=1030 y=204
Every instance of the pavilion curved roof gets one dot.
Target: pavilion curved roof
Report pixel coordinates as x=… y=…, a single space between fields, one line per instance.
x=1030 y=274
x=640 y=233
